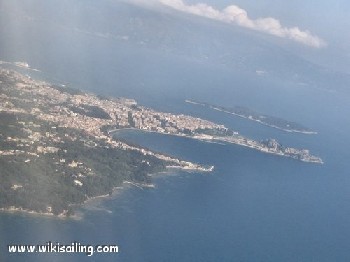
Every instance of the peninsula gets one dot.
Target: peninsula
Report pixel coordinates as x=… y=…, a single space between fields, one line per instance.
x=57 y=150
x=266 y=120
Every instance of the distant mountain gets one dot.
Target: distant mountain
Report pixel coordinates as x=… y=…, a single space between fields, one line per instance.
x=72 y=27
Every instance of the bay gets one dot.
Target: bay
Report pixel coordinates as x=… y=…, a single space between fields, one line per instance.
x=253 y=207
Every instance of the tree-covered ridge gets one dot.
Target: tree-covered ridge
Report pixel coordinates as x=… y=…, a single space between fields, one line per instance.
x=54 y=151
x=48 y=176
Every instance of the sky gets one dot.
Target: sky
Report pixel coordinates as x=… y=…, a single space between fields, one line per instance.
x=326 y=19
x=322 y=25
x=315 y=13
x=316 y=28
x=236 y=15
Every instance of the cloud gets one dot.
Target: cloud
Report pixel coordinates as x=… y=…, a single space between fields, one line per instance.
x=235 y=15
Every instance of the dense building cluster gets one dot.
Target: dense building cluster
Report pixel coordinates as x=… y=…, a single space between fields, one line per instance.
x=72 y=109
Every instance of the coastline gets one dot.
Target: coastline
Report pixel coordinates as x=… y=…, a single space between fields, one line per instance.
x=217 y=140
x=89 y=127
x=125 y=184
x=266 y=124
x=184 y=165
x=14 y=210
x=213 y=107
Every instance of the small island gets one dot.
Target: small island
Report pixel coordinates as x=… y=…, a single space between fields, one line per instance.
x=57 y=148
x=266 y=120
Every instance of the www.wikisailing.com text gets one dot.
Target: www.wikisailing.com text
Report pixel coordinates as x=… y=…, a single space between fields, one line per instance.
x=74 y=247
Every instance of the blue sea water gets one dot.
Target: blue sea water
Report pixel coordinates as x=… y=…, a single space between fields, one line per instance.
x=253 y=207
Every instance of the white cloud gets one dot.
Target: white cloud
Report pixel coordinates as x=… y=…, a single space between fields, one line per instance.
x=236 y=15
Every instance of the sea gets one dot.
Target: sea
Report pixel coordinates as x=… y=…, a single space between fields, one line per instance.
x=252 y=207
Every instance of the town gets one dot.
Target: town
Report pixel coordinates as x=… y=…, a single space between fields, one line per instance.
x=57 y=147
x=88 y=112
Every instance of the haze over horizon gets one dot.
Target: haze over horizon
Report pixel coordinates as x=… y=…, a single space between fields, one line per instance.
x=239 y=35
x=316 y=24
x=256 y=92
